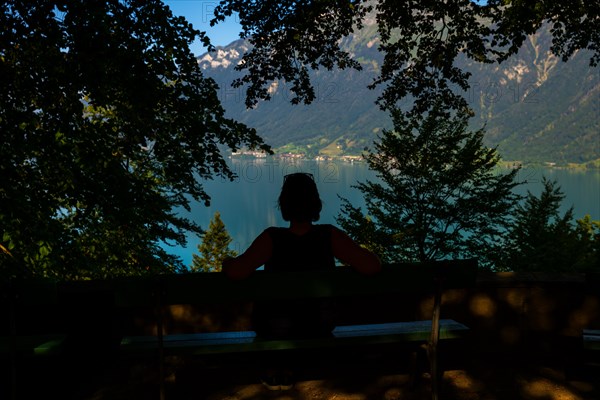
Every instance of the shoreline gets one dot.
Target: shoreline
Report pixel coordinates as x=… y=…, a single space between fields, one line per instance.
x=587 y=166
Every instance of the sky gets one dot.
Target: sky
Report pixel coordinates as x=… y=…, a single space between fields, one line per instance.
x=199 y=13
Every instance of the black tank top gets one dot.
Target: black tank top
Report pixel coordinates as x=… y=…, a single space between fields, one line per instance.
x=310 y=251
x=302 y=317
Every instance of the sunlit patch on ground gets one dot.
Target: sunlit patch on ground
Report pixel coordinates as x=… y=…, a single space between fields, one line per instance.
x=239 y=393
x=393 y=394
x=546 y=389
x=462 y=381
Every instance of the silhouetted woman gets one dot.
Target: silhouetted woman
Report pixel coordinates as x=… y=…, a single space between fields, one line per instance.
x=301 y=246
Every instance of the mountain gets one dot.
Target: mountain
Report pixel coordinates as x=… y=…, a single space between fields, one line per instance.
x=535 y=108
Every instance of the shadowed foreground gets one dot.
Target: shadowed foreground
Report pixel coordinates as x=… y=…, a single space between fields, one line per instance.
x=354 y=375
x=526 y=343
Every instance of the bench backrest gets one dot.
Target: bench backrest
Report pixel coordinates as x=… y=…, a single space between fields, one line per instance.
x=19 y=295
x=217 y=288
x=340 y=282
x=205 y=288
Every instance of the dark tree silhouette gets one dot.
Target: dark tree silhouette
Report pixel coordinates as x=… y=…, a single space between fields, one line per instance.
x=438 y=195
x=107 y=123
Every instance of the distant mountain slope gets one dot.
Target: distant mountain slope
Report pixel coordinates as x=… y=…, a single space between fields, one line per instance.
x=535 y=107
x=538 y=108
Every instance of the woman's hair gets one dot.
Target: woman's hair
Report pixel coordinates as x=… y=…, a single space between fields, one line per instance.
x=299 y=199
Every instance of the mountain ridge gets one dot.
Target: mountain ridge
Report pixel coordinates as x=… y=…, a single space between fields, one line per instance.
x=535 y=107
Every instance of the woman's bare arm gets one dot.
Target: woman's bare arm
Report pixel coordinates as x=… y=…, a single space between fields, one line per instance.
x=255 y=256
x=349 y=252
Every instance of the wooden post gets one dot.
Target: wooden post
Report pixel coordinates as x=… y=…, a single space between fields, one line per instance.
x=12 y=298
x=159 y=333
x=435 y=336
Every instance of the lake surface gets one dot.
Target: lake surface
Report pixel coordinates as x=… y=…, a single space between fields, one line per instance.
x=248 y=205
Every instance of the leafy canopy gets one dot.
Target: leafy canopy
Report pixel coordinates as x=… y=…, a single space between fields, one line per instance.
x=420 y=41
x=107 y=123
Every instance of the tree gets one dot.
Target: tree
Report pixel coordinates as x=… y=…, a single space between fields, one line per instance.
x=438 y=195
x=420 y=41
x=214 y=248
x=589 y=236
x=542 y=240
x=107 y=125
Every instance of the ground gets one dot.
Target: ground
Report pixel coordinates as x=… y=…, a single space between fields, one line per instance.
x=498 y=376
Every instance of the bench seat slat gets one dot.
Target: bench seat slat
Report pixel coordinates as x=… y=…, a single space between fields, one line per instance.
x=246 y=341
x=591 y=339
x=34 y=345
x=448 y=329
x=201 y=339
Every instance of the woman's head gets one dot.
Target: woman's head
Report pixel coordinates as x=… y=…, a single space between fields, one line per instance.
x=299 y=199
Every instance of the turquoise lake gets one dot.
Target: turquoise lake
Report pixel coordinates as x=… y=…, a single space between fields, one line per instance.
x=248 y=204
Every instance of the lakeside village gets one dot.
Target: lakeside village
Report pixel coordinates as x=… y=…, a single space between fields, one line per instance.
x=352 y=159
x=296 y=156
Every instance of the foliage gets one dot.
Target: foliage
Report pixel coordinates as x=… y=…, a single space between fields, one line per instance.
x=420 y=41
x=574 y=25
x=289 y=37
x=589 y=236
x=543 y=240
x=107 y=123
x=214 y=248
x=439 y=193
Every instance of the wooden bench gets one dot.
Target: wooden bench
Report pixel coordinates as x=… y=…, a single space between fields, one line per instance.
x=23 y=299
x=205 y=288
x=591 y=337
